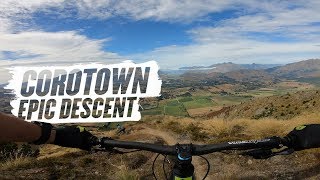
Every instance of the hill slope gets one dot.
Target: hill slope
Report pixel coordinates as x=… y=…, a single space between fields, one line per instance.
x=279 y=107
x=307 y=68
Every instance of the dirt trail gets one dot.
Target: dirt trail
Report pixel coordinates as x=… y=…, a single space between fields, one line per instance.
x=171 y=139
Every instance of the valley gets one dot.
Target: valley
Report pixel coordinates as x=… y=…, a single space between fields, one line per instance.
x=201 y=106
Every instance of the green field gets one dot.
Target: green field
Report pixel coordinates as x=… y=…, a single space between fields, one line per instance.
x=175 y=110
x=179 y=106
x=198 y=102
x=155 y=111
x=185 y=99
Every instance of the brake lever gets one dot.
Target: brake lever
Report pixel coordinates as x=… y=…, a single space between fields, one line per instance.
x=266 y=153
x=286 y=151
x=259 y=153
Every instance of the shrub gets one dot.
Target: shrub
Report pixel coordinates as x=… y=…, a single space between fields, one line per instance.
x=196 y=132
x=175 y=127
x=11 y=151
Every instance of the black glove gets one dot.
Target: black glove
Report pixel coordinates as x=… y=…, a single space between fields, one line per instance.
x=305 y=137
x=75 y=137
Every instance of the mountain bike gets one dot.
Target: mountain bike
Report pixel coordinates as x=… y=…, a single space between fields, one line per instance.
x=183 y=168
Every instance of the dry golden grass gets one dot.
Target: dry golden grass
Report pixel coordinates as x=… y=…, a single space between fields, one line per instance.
x=214 y=129
x=13 y=163
x=52 y=151
x=124 y=173
x=241 y=128
x=207 y=131
x=198 y=112
x=293 y=84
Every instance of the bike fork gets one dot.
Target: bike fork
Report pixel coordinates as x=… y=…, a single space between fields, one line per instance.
x=183 y=169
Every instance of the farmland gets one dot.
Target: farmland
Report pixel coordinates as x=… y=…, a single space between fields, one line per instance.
x=188 y=106
x=197 y=102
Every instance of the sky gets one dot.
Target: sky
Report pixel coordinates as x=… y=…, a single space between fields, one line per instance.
x=175 y=33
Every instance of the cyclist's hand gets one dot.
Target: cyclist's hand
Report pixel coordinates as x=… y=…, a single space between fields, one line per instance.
x=305 y=137
x=75 y=137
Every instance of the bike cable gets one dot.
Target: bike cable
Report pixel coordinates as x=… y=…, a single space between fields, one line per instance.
x=205 y=176
x=164 y=169
x=154 y=161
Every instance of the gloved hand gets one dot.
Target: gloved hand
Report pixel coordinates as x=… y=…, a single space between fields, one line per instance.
x=75 y=137
x=305 y=137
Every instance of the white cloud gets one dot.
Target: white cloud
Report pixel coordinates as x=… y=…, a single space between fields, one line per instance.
x=265 y=32
x=224 y=40
x=295 y=12
x=12 y=12
x=291 y=19
x=238 y=51
x=160 y=10
x=63 y=44
x=35 y=47
x=45 y=48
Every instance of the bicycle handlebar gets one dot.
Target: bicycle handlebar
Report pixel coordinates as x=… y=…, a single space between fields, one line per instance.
x=272 y=142
x=259 y=149
x=163 y=149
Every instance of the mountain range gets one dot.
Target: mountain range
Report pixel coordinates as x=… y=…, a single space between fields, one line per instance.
x=229 y=66
x=260 y=75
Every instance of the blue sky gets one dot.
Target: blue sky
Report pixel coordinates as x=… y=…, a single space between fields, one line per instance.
x=126 y=36
x=174 y=33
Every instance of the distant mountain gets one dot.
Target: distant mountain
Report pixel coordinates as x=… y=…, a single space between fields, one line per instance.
x=226 y=67
x=252 y=76
x=302 y=69
x=249 y=75
x=229 y=66
x=192 y=67
x=245 y=78
x=163 y=72
x=260 y=66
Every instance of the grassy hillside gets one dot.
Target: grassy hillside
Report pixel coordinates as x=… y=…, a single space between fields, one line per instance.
x=307 y=68
x=198 y=108
x=278 y=106
x=64 y=163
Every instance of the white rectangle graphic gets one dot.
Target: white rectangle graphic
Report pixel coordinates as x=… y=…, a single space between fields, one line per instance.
x=83 y=93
